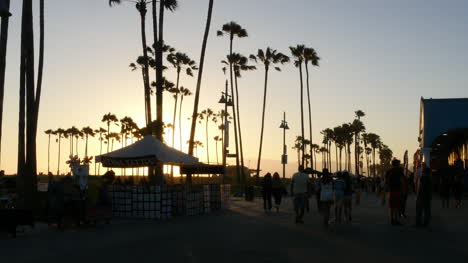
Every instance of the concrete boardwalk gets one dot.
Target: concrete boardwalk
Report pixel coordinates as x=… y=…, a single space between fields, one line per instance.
x=245 y=233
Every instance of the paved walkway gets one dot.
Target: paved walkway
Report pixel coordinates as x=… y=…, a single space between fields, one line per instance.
x=247 y=234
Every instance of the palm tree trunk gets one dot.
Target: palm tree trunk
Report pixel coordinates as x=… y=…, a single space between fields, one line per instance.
x=174 y=118
x=234 y=112
x=239 y=130
x=373 y=161
x=3 y=52
x=217 y=159
x=310 y=109
x=145 y=69
x=336 y=156
x=207 y=142
x=77 y=140
x=48 y=156
x=108 y=134
x=302 y=112
x=58 y=161
x=180 y=121
x=199 y=79
x=86 y=146
x=341 y=151
x=100 y=151
x=159 y=72
x=263 y=123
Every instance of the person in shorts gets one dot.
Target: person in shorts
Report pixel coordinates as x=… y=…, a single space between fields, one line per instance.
x=394 y=182
x=299 y=189
x=326 y=196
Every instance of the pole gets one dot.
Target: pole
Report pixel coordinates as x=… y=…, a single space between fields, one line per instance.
x=284 y=145
x=224 y=131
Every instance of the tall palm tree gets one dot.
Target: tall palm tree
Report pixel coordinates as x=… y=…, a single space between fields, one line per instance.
x=100 y=131
x=79 y=134
x=357 y=128
x=60 y=133
x=158 y=36
x=232 y=30
x=87 y=131
x=180 y=61
x=240 y=63
x=298 y=53
x=199 y=79
x=5 y=18
x=183 y=93
x=315 y=147
x=310 y=56
x=298 y=146
x=206 y=115
x=49 y=133
x=141 y=8
x=375 y=143
x=269 y=57
x=358 y=114
x=217 y=139
x=108 y=119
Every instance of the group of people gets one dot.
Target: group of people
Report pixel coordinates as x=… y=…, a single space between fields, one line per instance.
x=328 y=192
x=272 y=187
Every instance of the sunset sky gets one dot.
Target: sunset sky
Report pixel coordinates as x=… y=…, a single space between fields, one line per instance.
x=378 y=56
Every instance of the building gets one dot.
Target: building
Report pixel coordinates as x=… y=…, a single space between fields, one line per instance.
x=443 y=132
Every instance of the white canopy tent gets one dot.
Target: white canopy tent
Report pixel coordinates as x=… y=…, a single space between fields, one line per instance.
x=148 y=151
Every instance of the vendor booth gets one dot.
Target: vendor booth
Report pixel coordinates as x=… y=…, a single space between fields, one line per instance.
x=162 y=201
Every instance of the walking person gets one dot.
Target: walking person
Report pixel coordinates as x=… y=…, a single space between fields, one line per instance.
x=299 y=188
x=444 y=189
x=339 y=186
x=267 y=188
x=317 y=191
x=423 y=198
x=348 y=196
x=394 y=181
x=404 y=196
x=326 y=196
x=278 y=190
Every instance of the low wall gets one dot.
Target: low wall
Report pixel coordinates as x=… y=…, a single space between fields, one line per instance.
x=164 y=202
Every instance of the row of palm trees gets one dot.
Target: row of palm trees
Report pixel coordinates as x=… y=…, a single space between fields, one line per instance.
x=366 y=146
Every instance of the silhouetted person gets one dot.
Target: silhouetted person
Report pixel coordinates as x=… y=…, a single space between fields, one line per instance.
x=326 y=196
x=424 y=197
x=55 y=202
x=394 y=181
x=267 y=189
x=317 y=191
x=348 y=196
x=404 y=196
x=339 y=185
x=277 y=190
x=299 y=188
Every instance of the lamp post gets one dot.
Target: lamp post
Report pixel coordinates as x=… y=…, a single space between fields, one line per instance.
x=284 y=157
x=225 y=99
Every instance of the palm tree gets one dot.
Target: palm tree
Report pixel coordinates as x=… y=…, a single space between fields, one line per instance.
x=375 y=143
x=232 y=29
x=180 y=61
x=217 y=139
x=359 y=114
x=315 y=147
x=183 y=93
x=113 y=136
x=60 y=133
x=87 y=131
x=240 y=63
x=196 y=145
x=310 y=56
x=206 y=115
x=298 y=146
x=298 y=53
x=199 y=79
x=79 y=134
x=49 y=132
x=108 y=119
x=141 y=8
x=357 y=127
x=268 y=58
x=158 y=35
x=5 y=18
x=100 y=131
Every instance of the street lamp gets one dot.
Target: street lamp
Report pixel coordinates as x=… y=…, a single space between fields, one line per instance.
x=225 y=99
x=284 y=157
